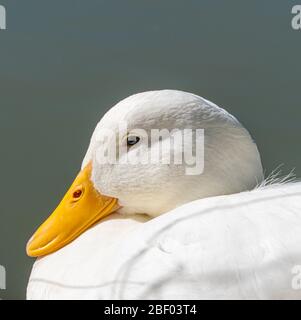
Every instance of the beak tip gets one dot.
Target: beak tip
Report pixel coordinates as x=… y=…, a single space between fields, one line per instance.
x=30 y=248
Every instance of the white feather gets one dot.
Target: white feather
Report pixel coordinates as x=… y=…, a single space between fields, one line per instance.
x=229 y=247
x=228 y=244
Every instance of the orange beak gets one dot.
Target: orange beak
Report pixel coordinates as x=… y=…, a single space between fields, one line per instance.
x=81 y=207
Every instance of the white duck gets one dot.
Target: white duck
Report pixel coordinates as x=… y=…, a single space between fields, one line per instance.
x=166 y=234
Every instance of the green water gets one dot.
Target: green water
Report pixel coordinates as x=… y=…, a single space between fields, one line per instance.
x=64 y=63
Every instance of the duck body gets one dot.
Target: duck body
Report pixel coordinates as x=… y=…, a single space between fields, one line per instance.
x=160 y=231
x=241 y=246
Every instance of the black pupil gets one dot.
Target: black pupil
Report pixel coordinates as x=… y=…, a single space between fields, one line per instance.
x=132 y=140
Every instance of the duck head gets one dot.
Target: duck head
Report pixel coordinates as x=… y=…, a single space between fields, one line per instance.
x=150 y=153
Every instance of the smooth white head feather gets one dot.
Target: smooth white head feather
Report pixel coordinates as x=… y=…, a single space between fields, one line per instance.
x=231 y=159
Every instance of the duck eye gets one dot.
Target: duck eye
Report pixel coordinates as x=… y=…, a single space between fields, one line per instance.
x=131 y=140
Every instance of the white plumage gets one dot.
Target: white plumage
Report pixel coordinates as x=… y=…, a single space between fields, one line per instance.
x=226 y=245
